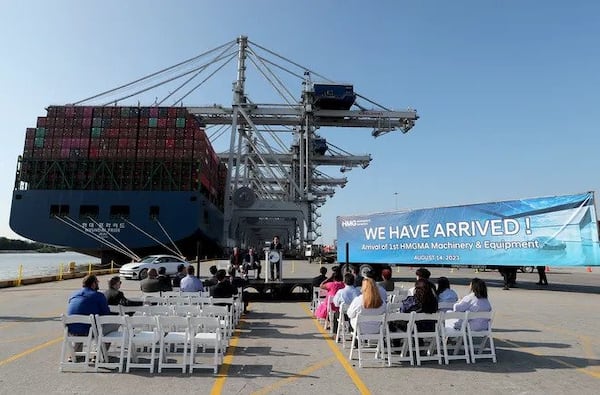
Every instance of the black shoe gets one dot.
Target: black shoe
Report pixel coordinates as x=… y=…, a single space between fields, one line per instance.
x=506 y=288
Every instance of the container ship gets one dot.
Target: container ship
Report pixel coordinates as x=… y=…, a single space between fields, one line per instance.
x=119 y=183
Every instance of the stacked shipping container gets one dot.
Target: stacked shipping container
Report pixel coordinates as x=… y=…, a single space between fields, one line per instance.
x=114 y=148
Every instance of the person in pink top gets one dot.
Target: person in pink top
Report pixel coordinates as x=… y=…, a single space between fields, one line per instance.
x=332 y=285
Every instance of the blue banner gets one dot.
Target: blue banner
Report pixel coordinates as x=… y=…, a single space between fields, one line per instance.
x=545 y=231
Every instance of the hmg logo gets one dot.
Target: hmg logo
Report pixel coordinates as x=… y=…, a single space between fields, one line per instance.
x=349 y=223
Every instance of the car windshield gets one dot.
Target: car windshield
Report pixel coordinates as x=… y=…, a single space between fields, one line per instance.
x=148 y=259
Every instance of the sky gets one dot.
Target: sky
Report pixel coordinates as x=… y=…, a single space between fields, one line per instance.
x=506 y=91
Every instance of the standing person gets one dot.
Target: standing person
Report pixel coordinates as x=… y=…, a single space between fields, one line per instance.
x=276 y=264
x=235 y=261
x=251 y=262
x=114 y=295
x=509 y=275
x=86 y=301
x=150 y=283
x=180 y=274
x=191 y=283
x=369 y=302
x=387 y=283
x=164 y=281
x=542 y=274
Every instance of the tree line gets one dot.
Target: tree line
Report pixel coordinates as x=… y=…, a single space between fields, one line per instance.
x=24 y=245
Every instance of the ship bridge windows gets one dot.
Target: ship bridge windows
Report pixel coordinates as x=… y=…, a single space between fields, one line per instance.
x=86 y=211
x=59 y=210
x=154 y=212
x=118 y=212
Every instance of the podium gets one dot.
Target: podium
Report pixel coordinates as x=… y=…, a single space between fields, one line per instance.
x=275 y=260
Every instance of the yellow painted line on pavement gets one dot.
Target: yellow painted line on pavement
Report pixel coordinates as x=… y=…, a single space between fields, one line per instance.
x=217 y=388
x=295 y=377
x=360 y=385
x=557 y=360
x=30 y=351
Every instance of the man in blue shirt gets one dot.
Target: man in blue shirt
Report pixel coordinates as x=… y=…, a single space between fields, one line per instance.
x=191 y=283
x=87 y=301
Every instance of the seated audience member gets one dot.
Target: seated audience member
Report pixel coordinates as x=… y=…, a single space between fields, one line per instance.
x=223 y=288
x=369 y=302
x=114 y=295
x=422 y=301
x=382 y=292
x=316 y=281
x=209 y=282
x=477 y=300
x=181 y=272
x=444 y=293
x=387 y=282
x=163 y=280
x=331 y=285
x=251 y=262
x=423 y=273
x=345 y=295
x=86 y=301
x=191 y=283
x=150 y=283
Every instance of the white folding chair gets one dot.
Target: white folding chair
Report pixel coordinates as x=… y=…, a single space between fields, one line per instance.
x=115 y=308
x=200 y=300
x=404 y=351
x=161 y=309
x=77 y=350
x=205 y=334
x=154 y=300
x=186 y=310
x=453 y=327
x=330 y=315
x=393 y=307
x=187 y=294
x=223 y=314
x=318 y=295
x=479 y=325
x=112 y=335
x=174 y=342
x=445 y=306
x=426 y=331
x=363 y=338
x=229 y=302
x=132 y=310
x=143 y=334
x=343 y=327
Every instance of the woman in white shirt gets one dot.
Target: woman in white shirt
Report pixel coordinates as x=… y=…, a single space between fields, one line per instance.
x=477 y=300
x=368 y=303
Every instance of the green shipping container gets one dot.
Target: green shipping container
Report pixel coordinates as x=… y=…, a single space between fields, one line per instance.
x=180 y=123
x=96 y=132
x=40 y=132
x=152 y=122
x=39 y=142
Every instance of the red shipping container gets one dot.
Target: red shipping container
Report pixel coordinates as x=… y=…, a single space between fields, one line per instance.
x=69 y=111
x=88 y=111
x=65 y=152
x=93 y=153
x=162 y=123
x=41 y=122
x=153 y=111
x=172 y=112
x=30 y=133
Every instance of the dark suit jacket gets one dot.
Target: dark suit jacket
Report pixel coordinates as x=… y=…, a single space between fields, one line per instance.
x=150 y=285
x=165 y=283
x=115 y=297
x=224 y=289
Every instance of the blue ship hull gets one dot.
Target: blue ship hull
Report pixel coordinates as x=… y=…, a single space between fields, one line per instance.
x=140 y=220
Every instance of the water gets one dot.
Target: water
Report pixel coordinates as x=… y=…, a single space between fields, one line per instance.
x=35 y=264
